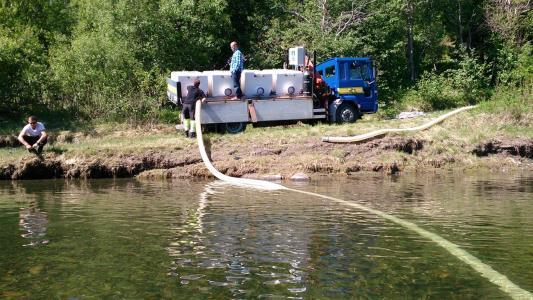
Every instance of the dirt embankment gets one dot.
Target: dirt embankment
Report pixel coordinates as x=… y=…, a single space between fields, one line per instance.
x=522 y=148
x=58 y=166
x=387 y=155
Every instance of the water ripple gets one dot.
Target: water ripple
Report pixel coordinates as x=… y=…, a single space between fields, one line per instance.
x=190 y=239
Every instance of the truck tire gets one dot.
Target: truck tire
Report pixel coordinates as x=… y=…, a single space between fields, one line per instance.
x=235 y=127
x=347 y=113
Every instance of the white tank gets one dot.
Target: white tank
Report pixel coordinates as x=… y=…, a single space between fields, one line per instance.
x=287 y=82
x=220 y=83
x=174 y=75
x=186 y=78
x=255 y=83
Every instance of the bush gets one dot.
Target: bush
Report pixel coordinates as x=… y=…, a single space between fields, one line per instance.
x=168 y=115
x=93 y=71
x=516 y=66
x=513 y=105
x=468 y=84
x=22 y=71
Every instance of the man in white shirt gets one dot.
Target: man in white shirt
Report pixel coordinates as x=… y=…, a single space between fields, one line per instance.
x=33 y=136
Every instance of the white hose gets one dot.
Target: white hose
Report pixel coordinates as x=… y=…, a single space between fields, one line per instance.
x=507 y=286
x=236 y=181
x=380 y=132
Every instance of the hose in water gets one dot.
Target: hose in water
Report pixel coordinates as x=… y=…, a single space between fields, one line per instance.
x=236 y=181
x=507 y=286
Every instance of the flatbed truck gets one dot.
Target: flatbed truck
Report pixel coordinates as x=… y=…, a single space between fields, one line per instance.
x=337 y=90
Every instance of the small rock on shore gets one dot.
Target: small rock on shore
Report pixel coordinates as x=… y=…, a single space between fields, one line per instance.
x=300 y=177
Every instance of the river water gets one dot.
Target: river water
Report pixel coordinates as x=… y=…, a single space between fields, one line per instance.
x=197 y=240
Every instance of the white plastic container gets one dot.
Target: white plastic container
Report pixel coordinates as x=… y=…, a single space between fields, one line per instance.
x=220 y=84
x=296 y=56
x=186 y=78
x=287 y=82
x=256 y=83
x=174 y=75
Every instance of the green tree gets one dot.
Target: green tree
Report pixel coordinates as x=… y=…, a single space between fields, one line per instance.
x=115 y=62
x=109 y=58
x=27 y=29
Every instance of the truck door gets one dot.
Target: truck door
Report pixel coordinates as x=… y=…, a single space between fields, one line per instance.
x=358 y=84
x=370 y=92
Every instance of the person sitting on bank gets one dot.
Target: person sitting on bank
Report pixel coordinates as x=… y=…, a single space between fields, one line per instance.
x=33 y=136
x=236 y=67
x=189 y=103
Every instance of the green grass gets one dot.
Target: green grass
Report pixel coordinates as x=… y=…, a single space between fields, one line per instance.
x=283 y=133
x=508 y=114
x=109 y=140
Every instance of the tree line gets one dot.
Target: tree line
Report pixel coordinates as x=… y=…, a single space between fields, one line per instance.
x=107 y=59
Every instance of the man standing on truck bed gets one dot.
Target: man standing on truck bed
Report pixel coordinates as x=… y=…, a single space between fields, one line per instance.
x=193 y=93
x=236 y=67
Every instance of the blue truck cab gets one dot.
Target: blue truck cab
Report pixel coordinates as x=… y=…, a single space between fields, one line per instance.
x=353 y=87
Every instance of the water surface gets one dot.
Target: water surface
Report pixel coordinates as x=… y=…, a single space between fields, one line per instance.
x=195 y=240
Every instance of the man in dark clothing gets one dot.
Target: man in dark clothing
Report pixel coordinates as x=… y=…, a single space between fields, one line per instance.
x=189 y=103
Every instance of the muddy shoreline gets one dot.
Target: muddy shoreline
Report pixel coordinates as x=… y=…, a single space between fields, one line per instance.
x=388 y=155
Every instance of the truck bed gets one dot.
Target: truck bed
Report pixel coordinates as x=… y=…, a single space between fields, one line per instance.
x=219 y=110
x=259 y=110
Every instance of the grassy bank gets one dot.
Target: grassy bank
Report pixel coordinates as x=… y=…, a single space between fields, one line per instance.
x=496 y=134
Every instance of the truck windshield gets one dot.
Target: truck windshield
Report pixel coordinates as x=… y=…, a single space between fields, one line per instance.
x=359 y=70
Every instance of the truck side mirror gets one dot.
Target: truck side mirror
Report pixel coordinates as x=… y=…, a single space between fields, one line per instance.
x=374 y=72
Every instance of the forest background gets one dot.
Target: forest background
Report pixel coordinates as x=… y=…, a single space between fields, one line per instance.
x=106 y=60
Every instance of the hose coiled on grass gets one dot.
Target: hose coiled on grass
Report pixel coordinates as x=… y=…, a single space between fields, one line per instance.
x=380 y=132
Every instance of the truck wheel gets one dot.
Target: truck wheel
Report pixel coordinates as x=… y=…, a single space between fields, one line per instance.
x=347 y=113
x=235 y=127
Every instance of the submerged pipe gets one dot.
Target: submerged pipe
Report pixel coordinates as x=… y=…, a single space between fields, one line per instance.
x=505 y=285
x=380 y=132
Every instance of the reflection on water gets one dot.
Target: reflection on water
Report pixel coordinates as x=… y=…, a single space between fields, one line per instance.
x=132 y=239
x=32 y=223
x=236 y=244
x=32 y=220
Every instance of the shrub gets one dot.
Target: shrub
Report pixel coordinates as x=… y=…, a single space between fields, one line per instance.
x=22 y=70
x=168 y=115
x=466 y=84
x=516 y=65
x=512 y=105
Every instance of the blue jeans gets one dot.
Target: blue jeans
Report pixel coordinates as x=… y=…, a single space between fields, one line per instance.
x=236 y=76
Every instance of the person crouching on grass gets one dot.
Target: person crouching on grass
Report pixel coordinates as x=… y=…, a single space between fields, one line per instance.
x=33 y=136
x=189 y=103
